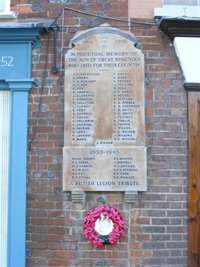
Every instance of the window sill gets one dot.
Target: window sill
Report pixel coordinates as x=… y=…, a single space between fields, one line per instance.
x=177 y=11
x=8 y=15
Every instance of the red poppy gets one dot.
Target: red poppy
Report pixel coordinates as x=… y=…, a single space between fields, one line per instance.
x=112 y=216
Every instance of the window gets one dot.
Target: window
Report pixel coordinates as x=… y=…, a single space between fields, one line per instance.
x=178 y=8
x=5 y=6
x=5 y=12
x=182 y=2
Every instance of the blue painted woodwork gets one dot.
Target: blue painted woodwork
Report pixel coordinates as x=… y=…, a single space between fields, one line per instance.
x=11 y=64
x=16 y=42
x=17 y=170
x=23 y=32
x=17 y=177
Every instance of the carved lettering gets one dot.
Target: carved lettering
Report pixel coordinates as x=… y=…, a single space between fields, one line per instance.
x=104 y=114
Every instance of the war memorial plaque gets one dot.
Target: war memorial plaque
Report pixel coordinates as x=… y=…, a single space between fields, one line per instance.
x=104 y=141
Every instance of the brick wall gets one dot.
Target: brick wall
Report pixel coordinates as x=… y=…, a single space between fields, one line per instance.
x=157 y=225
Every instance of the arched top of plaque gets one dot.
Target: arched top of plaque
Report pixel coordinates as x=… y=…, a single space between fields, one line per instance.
x=104 y=91
x=104 y=29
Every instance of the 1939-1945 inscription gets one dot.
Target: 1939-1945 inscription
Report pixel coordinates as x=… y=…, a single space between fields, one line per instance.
x=104 y=148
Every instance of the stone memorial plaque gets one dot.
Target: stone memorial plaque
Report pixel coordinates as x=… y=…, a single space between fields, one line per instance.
x=105 y=168
x=104 y=112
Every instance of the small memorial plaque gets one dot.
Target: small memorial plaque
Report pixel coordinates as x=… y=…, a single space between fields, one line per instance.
x=104 y=146
x=103 y=225
x=105 y=168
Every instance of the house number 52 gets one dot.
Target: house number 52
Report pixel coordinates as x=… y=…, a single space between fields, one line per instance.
x=6 y=61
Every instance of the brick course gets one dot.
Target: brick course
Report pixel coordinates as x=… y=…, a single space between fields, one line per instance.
x=156 y=225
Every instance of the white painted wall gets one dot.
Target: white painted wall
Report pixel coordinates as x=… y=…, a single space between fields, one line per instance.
x=188 y=52
x=4 y=168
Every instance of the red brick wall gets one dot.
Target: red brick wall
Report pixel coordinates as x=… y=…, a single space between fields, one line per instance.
x=157 y=225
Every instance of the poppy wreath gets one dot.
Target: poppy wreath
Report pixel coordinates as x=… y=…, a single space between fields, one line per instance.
x=113 y=215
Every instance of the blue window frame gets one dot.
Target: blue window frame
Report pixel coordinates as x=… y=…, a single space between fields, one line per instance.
x=16 y=42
